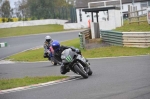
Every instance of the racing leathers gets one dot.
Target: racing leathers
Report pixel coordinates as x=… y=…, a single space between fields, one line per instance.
x=47 y=49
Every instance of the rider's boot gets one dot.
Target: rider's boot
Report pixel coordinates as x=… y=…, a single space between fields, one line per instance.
x=62 y=69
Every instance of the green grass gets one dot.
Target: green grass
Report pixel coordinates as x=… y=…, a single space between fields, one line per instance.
x=29 y=56
x=37 y=55
x=111 y=51
x=115 y=51
x=134 y=27
x=20 y=82
x=17 y=31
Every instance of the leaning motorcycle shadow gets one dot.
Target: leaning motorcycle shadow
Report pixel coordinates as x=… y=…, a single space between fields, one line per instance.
x=74 y=77
x=77 y=77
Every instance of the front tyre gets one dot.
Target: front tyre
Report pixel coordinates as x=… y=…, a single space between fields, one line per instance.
x=80 y=71
x=90 y=71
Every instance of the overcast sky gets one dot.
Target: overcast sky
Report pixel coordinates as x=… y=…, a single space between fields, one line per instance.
x=12 y=3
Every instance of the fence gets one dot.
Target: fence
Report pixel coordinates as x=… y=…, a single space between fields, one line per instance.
x=134 y=16
x=127 y=39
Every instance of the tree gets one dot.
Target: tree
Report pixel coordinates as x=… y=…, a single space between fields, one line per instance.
x=5 y=9
x=17 y=11
x=11 y=12
x=23 y=7
x=43 y=9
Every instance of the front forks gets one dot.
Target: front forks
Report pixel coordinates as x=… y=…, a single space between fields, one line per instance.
x=85 y=69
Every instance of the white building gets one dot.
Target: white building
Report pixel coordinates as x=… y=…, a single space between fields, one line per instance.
x=107 y=19
x=83 y=17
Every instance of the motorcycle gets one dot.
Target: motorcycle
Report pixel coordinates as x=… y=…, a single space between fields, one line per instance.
x=76 y=63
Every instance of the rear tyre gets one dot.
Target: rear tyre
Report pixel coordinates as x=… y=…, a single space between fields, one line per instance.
x=81 y=71
x=53 y=63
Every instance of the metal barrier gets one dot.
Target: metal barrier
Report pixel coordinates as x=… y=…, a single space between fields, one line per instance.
x=84 y=37
x=136 y=39
x=128 y=39
x=113 y=38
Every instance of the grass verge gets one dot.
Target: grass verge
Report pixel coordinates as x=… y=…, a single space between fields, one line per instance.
x=18 y=31
x=134 y=27
x=111 y=51
x=20 y=82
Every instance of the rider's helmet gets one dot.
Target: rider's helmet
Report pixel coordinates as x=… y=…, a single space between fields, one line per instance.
x=56 y=45
x=48 y=38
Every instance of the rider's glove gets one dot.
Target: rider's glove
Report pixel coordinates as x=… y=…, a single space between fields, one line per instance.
x=78 y=51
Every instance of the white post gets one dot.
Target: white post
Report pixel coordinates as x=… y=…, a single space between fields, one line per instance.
x=105 y=3
x=88 y=4
x=121 y=12
x=148 y=15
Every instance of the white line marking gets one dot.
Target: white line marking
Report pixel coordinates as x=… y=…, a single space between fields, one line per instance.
x=119 y=57
x=87 y=58
x=38 y=85
x=6 y=62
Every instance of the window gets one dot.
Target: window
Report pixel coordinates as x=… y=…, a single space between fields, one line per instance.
x=144 y=5
x=149 y=3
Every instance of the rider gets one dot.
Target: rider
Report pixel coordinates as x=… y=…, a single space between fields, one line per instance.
x=47 y=44
x=58 y=49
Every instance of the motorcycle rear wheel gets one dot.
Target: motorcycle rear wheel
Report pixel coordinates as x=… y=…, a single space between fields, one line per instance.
x=53 y=63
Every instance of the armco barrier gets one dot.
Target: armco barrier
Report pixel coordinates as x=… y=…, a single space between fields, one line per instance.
x=111 y=37
x=136 y=39
x=128 y=39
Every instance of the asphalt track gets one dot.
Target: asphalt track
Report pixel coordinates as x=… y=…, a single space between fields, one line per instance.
x=113 y=78
x=21 y=43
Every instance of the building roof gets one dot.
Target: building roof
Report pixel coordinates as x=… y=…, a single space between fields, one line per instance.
x=84 y=3
x=99 y=9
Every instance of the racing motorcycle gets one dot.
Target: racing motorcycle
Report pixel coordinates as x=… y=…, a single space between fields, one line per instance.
x=76 y=63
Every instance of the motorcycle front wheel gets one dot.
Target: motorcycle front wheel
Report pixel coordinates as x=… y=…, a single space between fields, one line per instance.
x=90 y=71
x=82 y=72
